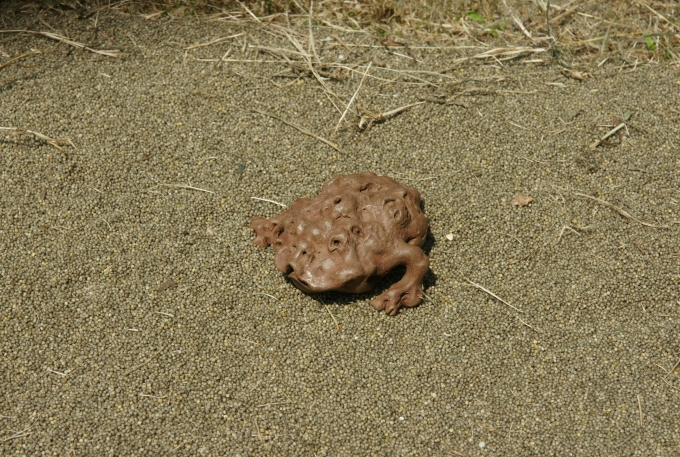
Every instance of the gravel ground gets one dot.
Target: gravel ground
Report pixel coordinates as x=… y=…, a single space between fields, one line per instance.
x=136 y=317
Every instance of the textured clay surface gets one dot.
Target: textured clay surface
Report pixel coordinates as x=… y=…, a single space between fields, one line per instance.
x=359 y=228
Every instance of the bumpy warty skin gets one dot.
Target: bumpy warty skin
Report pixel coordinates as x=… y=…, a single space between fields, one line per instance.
x=346 y=239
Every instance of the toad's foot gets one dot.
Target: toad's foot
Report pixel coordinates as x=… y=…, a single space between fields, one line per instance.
x=397 y=296
x=408 y=291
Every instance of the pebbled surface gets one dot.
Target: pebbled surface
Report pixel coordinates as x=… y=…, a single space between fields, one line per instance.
x=138 y=319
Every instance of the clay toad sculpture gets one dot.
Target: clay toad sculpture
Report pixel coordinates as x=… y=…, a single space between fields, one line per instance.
x=359 y=228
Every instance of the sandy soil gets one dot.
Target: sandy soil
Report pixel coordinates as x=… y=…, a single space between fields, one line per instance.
x=136 y=317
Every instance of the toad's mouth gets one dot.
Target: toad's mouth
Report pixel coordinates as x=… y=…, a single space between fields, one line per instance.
x=315 y=280
x=302 y=284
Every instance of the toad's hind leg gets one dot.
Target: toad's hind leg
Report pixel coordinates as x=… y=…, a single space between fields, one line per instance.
x=409 y=290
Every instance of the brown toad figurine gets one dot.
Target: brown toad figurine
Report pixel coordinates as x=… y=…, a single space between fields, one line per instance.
x=350 y=236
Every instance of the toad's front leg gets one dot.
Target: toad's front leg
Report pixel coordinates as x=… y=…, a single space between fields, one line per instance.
x=409 y=290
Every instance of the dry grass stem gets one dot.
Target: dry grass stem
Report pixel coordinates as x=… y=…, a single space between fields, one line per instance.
x=517 y=125
x=17 y=435
x=493 y=295
x=522 y=28
x=145 y=362
x=239 y=60
x=60 y=373
x=341 y=42
x=659 y=15
x=565 y=227
x=182 y=186
x=607 y=135
x=279 y=51
x=269 y=201
x=369 y=118
x=619 y=210
x=557 y=19
x=19 y=57
x=355 y=70
x=332 y=317
x=673 y=368
x=532 y=328
x=249 y=12
x=312 y=46
x=52 y=141
x=164 y=314
x=266 y=294
x=303 y=130
x=251 y=342
x=508 y=52
x=351 y=100
x=640 y=408
x=274 y=404
x=214 y=41
x=62 y=39
x=153 y=396
x=309 y=62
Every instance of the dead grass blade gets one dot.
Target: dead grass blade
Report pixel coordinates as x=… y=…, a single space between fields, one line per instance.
x=215 y=41
x=19 y=57
x=52 y=141
x=351 y=100
x=493 y=295
x=62 y=39
x=270 y=201
x=301 y=129
x=308 y=60
x=182 y=186
x=607 y=135
x=337 y=326
x=557 y=19
x=144 y=362
x=249 y=12
x=508 y=53
x=659 y=15
x=619 y=210
x=369 y=118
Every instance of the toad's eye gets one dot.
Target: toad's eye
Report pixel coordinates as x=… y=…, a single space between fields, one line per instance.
x=356 y=230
